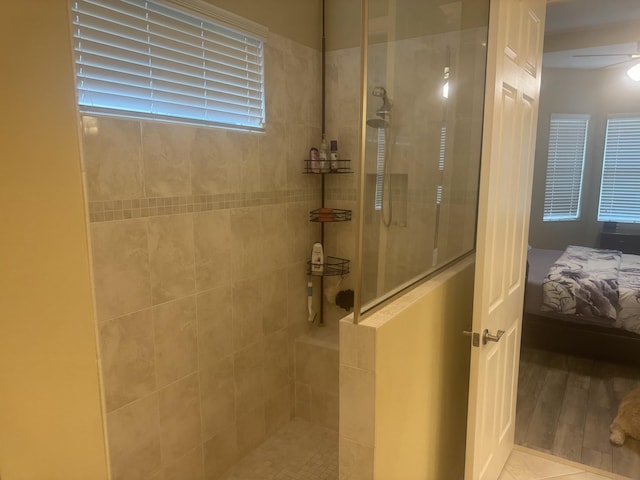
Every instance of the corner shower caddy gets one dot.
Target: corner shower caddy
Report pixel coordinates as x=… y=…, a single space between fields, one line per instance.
x=333 y=266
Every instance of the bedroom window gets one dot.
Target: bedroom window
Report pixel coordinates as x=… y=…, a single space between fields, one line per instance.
x=565 y=166
x=620 y=185
x=183 y=61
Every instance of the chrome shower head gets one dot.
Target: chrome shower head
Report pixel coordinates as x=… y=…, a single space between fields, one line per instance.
x=387 y=105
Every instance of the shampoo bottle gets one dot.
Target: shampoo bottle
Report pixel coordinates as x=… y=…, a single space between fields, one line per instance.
x=317 y=259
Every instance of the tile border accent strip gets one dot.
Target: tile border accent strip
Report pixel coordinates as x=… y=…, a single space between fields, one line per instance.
x=105 y=211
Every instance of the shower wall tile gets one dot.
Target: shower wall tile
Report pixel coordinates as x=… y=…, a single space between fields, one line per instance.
x=276 y=364
x=120 y=267
x=247 y=313
x=273 y=297
x=275 y=254
x=217 y=398
x=356 y=461
x=357 y=394
x=215 y=326
x=251 y=429
x=317 y=365
x=248 y=377
x=303 y=401
x=247 y=257
x=272 y=158
x=277 y=410
x=220 y=452
x=244 y=152
x=189 y=467
x=166 y=150
x=176 y=350
x=128 y=363
x=212 y=235
x=210 y=162
x=171 y=254
x=134 y=440
x=325 y=409
x=112 y=158
x=179 y=413
x=277 y=50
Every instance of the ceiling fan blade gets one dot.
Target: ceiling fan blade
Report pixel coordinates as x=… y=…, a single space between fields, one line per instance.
x=618 y=63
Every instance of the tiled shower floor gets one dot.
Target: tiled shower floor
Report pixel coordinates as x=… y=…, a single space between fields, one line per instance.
x=298 y=451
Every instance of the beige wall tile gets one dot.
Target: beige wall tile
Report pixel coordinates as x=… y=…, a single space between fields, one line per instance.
x=247 y=256
x=276 y=364
x=220 y=452
x=166 y=149
x=356 y=461
x=251 y=429
x=120 y=267
x=212 y=235
x=113 y=159
x=303 y=401
x=217 y=398
x=272 y=160
x=274 y=301
x=357 y=401
x=317 y=365
x=277 y=410
x=357 y=345
x=176 y=351
x=248 y=375
x=325 y=409
x=189 y=467
x=274 y=246
x=128 y=362
x=215 y=326
x=171 y=254
x=301 y=234
x=210 y=161
x=134 y=440
x=247 y=312
x=179 y=413
x=244 y=168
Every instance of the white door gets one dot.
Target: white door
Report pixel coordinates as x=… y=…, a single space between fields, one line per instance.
x=516 y=29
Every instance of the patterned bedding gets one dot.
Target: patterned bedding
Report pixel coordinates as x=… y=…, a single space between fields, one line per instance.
x=589 y=282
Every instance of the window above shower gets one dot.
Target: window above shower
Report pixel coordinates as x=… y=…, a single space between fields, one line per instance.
x=177 y=61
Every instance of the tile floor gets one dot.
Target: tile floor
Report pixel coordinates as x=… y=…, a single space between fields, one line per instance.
x=298 y=451
x=525 y=464
x=304 y=451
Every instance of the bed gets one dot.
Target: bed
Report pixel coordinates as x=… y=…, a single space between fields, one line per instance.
x=554 y=320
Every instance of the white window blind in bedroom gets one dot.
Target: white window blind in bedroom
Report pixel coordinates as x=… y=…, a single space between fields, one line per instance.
x=620 y=186
x=151 y=59
x=565 y=166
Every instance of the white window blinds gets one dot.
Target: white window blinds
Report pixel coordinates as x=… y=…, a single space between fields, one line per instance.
x=149 y=59
x=620 y=187
x=565 y=166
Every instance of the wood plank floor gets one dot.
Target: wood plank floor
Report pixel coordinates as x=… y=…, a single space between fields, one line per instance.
x=565 y=407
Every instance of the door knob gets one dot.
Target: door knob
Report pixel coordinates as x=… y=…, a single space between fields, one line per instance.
x=487 y=337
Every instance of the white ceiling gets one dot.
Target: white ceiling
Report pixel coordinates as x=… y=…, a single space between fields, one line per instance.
x=591 y=27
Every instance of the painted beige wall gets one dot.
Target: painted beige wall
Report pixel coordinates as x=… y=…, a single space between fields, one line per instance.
x=594 y=92
x=278 y=16
x=405 y=370
x=50 y=413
